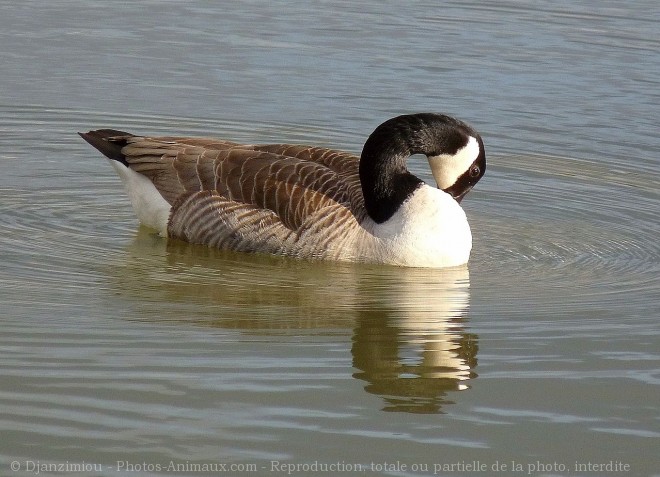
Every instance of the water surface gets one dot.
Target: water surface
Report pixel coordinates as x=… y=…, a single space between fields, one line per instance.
x=120 y=349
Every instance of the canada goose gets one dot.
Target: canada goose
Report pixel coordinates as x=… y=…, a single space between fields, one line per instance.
x=309 y=202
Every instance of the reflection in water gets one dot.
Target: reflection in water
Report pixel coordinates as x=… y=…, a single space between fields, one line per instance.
x=409 y=342
x=413 y=349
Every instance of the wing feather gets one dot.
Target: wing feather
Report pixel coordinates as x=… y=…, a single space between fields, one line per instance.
x=270 y=193
x=205 y=217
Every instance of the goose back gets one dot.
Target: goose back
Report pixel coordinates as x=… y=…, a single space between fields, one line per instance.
x=274 y=198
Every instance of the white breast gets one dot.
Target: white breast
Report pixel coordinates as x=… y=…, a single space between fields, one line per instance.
x=430 y=229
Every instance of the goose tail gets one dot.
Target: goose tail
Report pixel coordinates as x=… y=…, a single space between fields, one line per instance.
x=109 y=142
x=149 y=205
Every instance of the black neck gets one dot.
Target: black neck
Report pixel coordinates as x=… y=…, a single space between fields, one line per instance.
x=386 y=184
x=386 y=181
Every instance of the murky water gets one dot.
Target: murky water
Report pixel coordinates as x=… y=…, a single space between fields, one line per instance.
x=136 y=356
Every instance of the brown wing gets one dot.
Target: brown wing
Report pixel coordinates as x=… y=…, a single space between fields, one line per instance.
x=205 y=217
x=344 y=164
x=292 y=182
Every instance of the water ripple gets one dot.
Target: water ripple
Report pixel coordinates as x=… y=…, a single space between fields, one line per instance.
x=572 y=225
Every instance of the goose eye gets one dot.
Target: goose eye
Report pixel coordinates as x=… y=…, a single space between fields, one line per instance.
x=474 y=171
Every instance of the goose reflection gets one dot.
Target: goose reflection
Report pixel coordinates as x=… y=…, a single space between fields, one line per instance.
x=414 y=350
x=409 y=342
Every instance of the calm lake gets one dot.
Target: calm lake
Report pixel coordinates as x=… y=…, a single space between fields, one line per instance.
x=122 y=354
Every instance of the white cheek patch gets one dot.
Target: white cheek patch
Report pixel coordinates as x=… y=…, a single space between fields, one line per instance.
x=447 y=168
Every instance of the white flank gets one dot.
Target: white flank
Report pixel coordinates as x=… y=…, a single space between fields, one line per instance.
x=430 y=229
x=149 y=206
x=446 y=168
